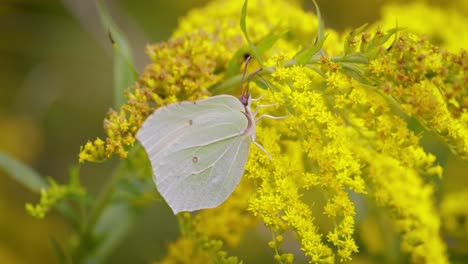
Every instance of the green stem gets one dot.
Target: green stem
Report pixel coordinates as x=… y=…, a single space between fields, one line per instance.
x=104 y=197
x=183 y=226
x=227 y=84
x=273 y=237
x=86 y=243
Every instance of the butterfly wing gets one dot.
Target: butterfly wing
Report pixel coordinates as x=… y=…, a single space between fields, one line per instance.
x=197 y=151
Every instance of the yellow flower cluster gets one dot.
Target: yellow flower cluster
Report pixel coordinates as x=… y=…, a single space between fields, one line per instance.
x=334 y=124
x=54 y=194
x=410 y=201
x=191 y=253
x=332 y=166
x=230 y=221
x=196 y=247
x=430 y=85
x=393 y=161
x=278 y=200
x=49 y=198
x=345 y=136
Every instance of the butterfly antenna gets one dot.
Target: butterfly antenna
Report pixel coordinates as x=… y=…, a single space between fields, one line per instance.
x=244 y=85
x=245 y=94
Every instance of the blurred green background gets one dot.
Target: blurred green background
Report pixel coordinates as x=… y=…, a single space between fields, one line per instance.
x=55 y=89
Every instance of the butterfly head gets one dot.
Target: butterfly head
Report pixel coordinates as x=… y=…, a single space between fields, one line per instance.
x=245 y=98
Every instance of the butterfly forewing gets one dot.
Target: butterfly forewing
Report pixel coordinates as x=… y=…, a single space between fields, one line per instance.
x=197 y=150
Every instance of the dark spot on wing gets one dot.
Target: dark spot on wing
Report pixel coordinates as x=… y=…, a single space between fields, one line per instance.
x=195 y=159
x=190 y=122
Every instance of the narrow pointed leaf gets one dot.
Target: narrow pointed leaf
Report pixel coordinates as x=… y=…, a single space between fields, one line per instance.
x=22 y=173
x=267 y=42
x=306 y=55
x=321 y=24
x=59 y=251
x=377 y=41
x=353 y=58
x=233 y=66
x=263 y=46
x=70 y=214
x=349 y=39
x=355 y=72
x=124 y=71
x=262 y=83
x=243 y=26
x=113 y=226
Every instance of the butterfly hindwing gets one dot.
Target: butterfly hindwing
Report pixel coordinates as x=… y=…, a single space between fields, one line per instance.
x=210 y=186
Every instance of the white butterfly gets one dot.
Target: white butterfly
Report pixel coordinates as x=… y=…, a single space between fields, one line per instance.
x=198 y=150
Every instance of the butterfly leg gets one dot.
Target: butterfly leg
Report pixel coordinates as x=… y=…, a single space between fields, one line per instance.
x=262 y=106
x=269 y=116
x=263 y=149
x=256 y=99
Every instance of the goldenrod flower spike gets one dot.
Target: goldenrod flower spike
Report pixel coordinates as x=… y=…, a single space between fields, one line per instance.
x=346 y=133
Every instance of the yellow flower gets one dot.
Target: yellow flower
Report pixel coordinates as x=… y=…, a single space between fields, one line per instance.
x=191 y=254
x=427 y=98
x=401 y=190
x=53 y=195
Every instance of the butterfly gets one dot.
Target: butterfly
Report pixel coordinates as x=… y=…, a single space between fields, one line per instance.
x=198 y=150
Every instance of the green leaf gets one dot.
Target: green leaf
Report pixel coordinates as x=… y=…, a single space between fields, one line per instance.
x=356 y=72
x=74 y=172
x=262 y=83
x=352 y=58
x=22 y=173
x=321 y=24
x=317 y=70
x=243 y=26
x=233 y=66
x=349 y=39
x=59 y=251
x=267 y=42
x=379 y=40
x=77 y=194
x=227 y=85
x=124 y=71
x=113 y=226
x=307 y=54
x=264 y=45
x=68 y=212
